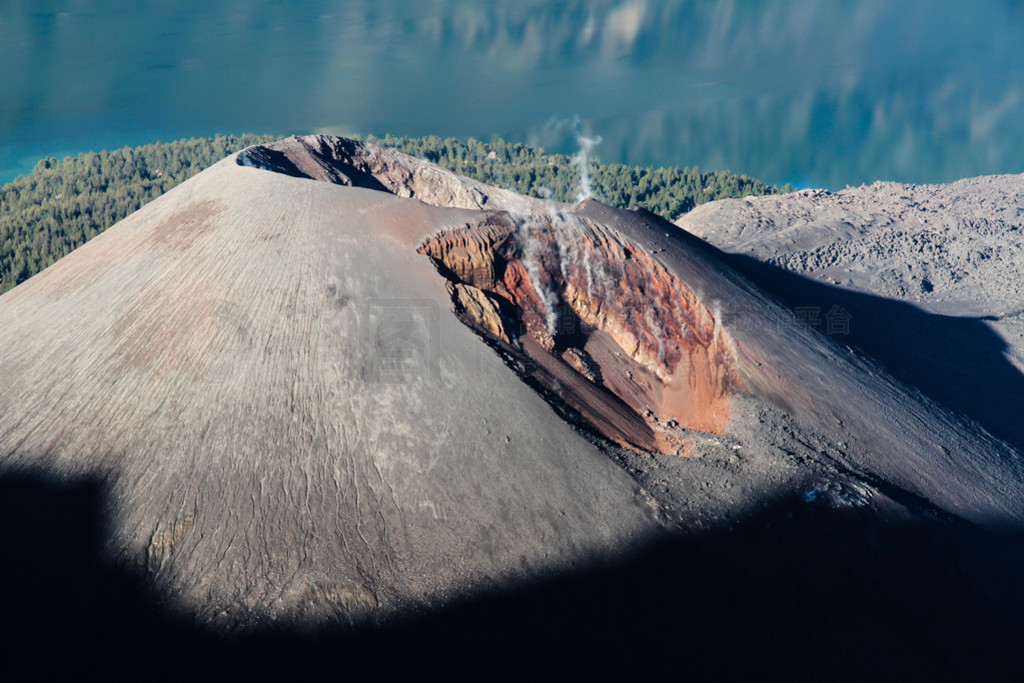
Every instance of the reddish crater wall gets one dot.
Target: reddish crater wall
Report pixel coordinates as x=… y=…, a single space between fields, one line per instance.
x=600 y=328
x=568 y=288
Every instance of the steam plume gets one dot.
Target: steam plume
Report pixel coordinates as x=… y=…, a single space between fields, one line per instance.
x=581 y=160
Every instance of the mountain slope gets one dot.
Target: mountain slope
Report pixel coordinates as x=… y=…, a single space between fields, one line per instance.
x=328 y=383
x=222 y=356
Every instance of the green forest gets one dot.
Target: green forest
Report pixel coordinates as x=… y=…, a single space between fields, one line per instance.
x=667 y=192
x=62 y=204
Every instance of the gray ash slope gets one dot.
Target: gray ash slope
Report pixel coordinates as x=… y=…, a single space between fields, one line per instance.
x=953 y=254
x=221 y=356
x=295 y=427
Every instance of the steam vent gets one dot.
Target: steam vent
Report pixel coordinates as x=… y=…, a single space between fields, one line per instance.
x=356 y=411
x=597 y=323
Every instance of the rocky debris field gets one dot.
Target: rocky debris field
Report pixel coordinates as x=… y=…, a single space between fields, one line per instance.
x=955 y=248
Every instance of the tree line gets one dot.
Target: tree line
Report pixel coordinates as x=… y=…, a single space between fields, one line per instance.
x=62 y=204
x=667 y=192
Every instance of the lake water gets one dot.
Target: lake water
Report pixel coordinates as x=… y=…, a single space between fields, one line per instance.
x=813 y=92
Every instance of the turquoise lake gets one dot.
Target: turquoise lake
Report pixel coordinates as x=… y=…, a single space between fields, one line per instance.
x=813 y=92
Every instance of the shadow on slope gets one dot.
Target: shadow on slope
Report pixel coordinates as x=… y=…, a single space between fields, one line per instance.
x=958 y=362
x=798 y=590
x=338 y=164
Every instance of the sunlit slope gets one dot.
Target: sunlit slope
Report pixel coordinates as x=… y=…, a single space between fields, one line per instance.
x=293 y=422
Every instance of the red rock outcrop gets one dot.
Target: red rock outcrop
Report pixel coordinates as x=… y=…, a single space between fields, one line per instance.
x=572 y=289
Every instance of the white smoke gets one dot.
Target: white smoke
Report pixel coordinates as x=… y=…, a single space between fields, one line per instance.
x=581 y=160
x=655 y=327
x=536 y=233
x=555 y=132
x=531 y=259
x=547 y=194
x=589 y=270
x=558 y=231
x=527 y=225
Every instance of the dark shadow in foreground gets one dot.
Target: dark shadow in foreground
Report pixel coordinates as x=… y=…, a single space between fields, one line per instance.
x=797 y=591
x=956 y=361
